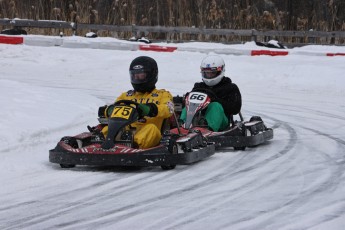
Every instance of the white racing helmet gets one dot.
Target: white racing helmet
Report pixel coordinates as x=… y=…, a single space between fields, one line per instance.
x=212 y=69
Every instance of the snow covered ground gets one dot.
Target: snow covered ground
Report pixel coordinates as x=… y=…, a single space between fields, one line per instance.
x=296 y=181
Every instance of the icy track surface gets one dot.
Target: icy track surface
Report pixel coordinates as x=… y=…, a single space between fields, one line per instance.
x=295 y=181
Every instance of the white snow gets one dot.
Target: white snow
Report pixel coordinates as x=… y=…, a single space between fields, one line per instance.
x=296 y=181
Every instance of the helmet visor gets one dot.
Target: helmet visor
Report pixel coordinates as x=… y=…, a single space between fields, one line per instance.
x=138 y=76
x=212 y=72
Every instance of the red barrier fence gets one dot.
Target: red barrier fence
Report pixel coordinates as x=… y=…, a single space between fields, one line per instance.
x=335 y=54
x=161 y=48
x=157 y=48
x=11 y=40
x=269 y=52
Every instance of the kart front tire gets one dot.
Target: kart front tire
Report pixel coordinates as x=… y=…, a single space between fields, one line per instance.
x=240 y=148
x=67 y=166
x=168 y=167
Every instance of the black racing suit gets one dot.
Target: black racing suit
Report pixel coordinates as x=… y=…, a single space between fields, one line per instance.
x=225 y=92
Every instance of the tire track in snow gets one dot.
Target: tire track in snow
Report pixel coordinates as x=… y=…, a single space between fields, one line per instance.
x=112 y=186
x=133 y=210
x=125 y=208
x=37 y=137
x=209 y=182
x=113 y=216
x=293 y=141
x=325 y=186
x=186 y=219
x=328 y=184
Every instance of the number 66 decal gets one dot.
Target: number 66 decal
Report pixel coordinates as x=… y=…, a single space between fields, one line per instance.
x=197 y=97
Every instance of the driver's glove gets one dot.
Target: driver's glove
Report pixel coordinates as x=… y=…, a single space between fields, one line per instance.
x=109 y=110
x=101 y=111
x=149 y=109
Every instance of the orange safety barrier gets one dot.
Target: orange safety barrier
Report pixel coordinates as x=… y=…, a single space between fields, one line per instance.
x=11 y=40
x=157 y=48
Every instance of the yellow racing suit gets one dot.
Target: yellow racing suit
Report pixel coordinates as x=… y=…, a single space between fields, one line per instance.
x=148 y=130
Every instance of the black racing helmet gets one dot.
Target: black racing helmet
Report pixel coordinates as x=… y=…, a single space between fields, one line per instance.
x=144 y=74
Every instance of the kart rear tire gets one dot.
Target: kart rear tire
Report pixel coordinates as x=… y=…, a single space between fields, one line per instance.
x=245 y=133
x=255 y=118
x=67 y=166
x=168 y=167
x=173 y=150
x=240 y=148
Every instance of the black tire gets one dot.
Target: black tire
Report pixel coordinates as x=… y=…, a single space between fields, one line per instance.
x=255 y=118
x=244 y=133
x=67 y=166
x=173 y=150
x=71 y=141
x=240 y=148
x=168 y=167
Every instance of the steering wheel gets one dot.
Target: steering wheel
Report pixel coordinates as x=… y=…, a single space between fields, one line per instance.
x=127 y=102
x=132 y=104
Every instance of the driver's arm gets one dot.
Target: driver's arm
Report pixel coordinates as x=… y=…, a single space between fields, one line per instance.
x=165 y=106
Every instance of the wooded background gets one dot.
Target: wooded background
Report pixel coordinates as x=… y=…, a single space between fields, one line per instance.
x=297 y=15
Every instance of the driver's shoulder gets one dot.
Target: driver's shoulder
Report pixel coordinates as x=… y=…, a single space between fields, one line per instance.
x=160 y=91
x=125 y=94
x=200 y=85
